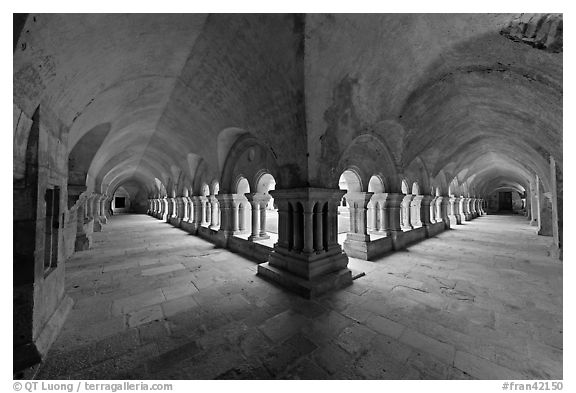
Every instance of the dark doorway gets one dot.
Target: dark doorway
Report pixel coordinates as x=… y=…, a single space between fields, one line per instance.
x=505 y=200
x=52 y=199
x=119 y=202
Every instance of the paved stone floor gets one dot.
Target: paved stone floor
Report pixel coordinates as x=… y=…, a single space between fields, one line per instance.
x=483 y=301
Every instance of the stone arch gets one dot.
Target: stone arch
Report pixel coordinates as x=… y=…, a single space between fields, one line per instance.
x=214 y=187
x=367 y=154
x=376 y=184
x=351 y=180
x=204 y=190
x=404 y=187
x=249 y=157
x=242 y=186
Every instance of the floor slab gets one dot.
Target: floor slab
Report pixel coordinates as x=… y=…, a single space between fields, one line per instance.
x=481 y=301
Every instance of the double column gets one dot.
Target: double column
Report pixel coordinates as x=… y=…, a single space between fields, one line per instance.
x=357 y=238
x=455 y=209
x=258 y=203
x=466 y=209
x=416 y=210
x=405 y=212
x=307 y=257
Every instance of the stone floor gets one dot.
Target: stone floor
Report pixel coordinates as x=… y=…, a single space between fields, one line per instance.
x=483 y=301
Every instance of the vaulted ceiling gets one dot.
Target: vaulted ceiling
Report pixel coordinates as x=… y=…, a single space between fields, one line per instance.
x=477 y=97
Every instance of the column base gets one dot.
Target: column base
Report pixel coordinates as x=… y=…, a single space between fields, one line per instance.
x=356 y=248
x=468 y=217
x=82 y=242
x=259 y=237
x=189 y=227
x=175 y=221
x=306 y=288
x=455 y=219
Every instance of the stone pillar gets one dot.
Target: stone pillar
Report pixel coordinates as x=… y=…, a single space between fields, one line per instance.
x=392 y=207
x=183 y=209
x=258 y=202
x=215 y=213
x=306 y=270
x=454 y=207
x=379 y=219
x=241 y=217
x=202 y=209
x=83 y=239
x=433 y=210
x=425 y=203
x=228 y=208
x=465 y=211
x=172 y=212
x=416 y=212
x=534 y=202
x=473 y=210
x=443 y=203
x=405 y=213
x=95 y=212
x=197 y=212
x=372 y=217
x=189 y=209
x=357 y=238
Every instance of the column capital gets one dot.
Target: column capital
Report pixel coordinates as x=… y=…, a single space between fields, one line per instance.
x=309 y=193
x=257 y=197
x=361 y=198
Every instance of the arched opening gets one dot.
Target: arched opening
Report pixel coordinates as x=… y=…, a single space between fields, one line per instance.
x=375 y=185
x=268 y=215
x=244 y=208
x=405 y=207
x=121 y=201
x=349 y=181
x=215 y=217
x=404 y=187
x=376 y=214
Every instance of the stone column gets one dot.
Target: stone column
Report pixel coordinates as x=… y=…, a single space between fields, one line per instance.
x=469 y=207
x=473 y=210
x=215 y=213
x=534 y=202
x=415 y=211
x=180 y=209
x=372 y=218
x=173 y=213
x=433 y=210
x=228 y=208
x=242 y=217
x=203 y=201
x=197 y=212
x=304 y=270
x=405 y=212
x=443 y=203
x=455 y=210
x=184 y=206
x=96 y=206
x=83 y=239
x=545 y=214
x=425 y=203
x=392 y=206
x=189 y=209
x=258 y=202
x=466 y=209
x=357 y=238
